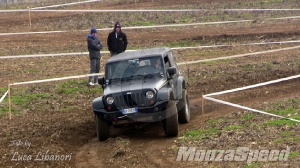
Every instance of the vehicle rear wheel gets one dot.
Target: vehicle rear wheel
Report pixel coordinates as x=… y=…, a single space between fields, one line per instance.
x=102 y=129
x=184 y=113
x=171 y=123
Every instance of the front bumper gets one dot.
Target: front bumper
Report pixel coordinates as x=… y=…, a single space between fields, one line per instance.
x=153 y=113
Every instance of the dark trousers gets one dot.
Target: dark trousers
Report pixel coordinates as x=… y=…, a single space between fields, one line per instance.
x=113 y=53
x=94 y=68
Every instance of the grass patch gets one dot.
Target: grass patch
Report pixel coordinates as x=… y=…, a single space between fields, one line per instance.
x=73 y=87
x=288 y=139
x=3 y=90
x=284 y=108
x=294 y=154
x=252 y=165
x=186 y=18
x=286 y=133
x=269 y=65
x=201 y=134
x=215 y=121
x=71 y=90
x=278 y=140
x=183 y=43
x=219 y=53
x=296 y=100
x=20 y=102
x=232 y=127
x=141 y=23
x=5 y=110
x=290 y=103
x=248 y=67
x=280 y=122
x=258 y=125
x=192 y=79
x=248 y=116
x=27 y=98
x=289 y=110
x=211 y=17
x=60 y=96
x=95 y=90
x=30 y=70
x=217 y=61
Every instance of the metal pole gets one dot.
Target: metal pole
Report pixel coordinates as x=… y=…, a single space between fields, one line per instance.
x=29 y=17
x=9 y=101
x=202 y=115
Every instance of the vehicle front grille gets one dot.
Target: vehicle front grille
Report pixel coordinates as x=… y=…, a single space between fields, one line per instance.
x=129 y=100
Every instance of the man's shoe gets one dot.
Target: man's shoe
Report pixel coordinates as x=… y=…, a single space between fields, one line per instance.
x=96 y=83
x=91 y=84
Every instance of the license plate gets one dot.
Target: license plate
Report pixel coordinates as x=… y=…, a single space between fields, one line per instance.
x=129 y=110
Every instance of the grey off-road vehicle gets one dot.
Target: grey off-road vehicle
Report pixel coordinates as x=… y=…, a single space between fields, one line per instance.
x=142 y=86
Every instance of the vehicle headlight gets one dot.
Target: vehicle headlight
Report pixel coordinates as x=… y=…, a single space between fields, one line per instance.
x=149 y=94
x=110 y=100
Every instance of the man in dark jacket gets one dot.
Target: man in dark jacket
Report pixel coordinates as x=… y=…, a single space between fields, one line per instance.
x=117 y=40
x=94 y=46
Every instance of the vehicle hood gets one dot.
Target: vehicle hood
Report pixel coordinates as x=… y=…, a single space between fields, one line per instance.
x=136 y=84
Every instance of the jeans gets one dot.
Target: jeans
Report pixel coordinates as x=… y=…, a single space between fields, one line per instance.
x=94 y=68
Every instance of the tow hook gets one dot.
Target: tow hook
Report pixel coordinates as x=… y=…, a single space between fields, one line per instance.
x=116 y=120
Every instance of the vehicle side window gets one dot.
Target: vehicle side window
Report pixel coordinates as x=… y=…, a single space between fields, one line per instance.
x=172 y=61
x=167 y=62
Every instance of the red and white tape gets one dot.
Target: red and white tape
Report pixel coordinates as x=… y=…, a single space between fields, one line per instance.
x=146 y=10
x=61 y=5
x=177 y=48
x=208 y=96
x=154 y=26
x=2 y=98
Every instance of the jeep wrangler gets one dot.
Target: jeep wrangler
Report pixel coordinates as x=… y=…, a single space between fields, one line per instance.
x=142 y=86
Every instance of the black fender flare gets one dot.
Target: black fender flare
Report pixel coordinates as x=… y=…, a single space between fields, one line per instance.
x=98 y=103
x=179 y=86
x=165 y=94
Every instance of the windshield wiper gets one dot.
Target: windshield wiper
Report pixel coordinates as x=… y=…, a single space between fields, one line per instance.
x=115 y=79
x=149 y=76
x=127 y=78
x=138 y=76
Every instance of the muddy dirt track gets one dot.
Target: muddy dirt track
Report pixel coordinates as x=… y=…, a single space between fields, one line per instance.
x=63 y=124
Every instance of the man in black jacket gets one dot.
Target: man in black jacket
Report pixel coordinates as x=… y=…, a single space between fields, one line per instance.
x=94 y=47
x=117 y=40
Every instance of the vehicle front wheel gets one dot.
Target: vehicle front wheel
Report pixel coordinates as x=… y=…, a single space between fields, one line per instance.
x=171 y=123
x=102 y=129
x=184 y=113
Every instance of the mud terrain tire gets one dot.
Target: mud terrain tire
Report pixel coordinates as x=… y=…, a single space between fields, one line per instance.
x=170 y=124
x=184 y=113
x=102 y=129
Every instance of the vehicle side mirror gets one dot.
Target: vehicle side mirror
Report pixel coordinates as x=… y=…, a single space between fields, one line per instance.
x=172 y=71
x=101 y=81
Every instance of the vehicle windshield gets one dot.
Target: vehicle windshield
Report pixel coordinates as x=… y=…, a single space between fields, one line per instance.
x=150 y=67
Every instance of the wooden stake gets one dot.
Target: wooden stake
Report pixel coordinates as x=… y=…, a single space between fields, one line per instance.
x=9 y=101
x=29 y=17
x=202 y=115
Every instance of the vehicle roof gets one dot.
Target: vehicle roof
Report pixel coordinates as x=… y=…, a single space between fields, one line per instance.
x=139 y=54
